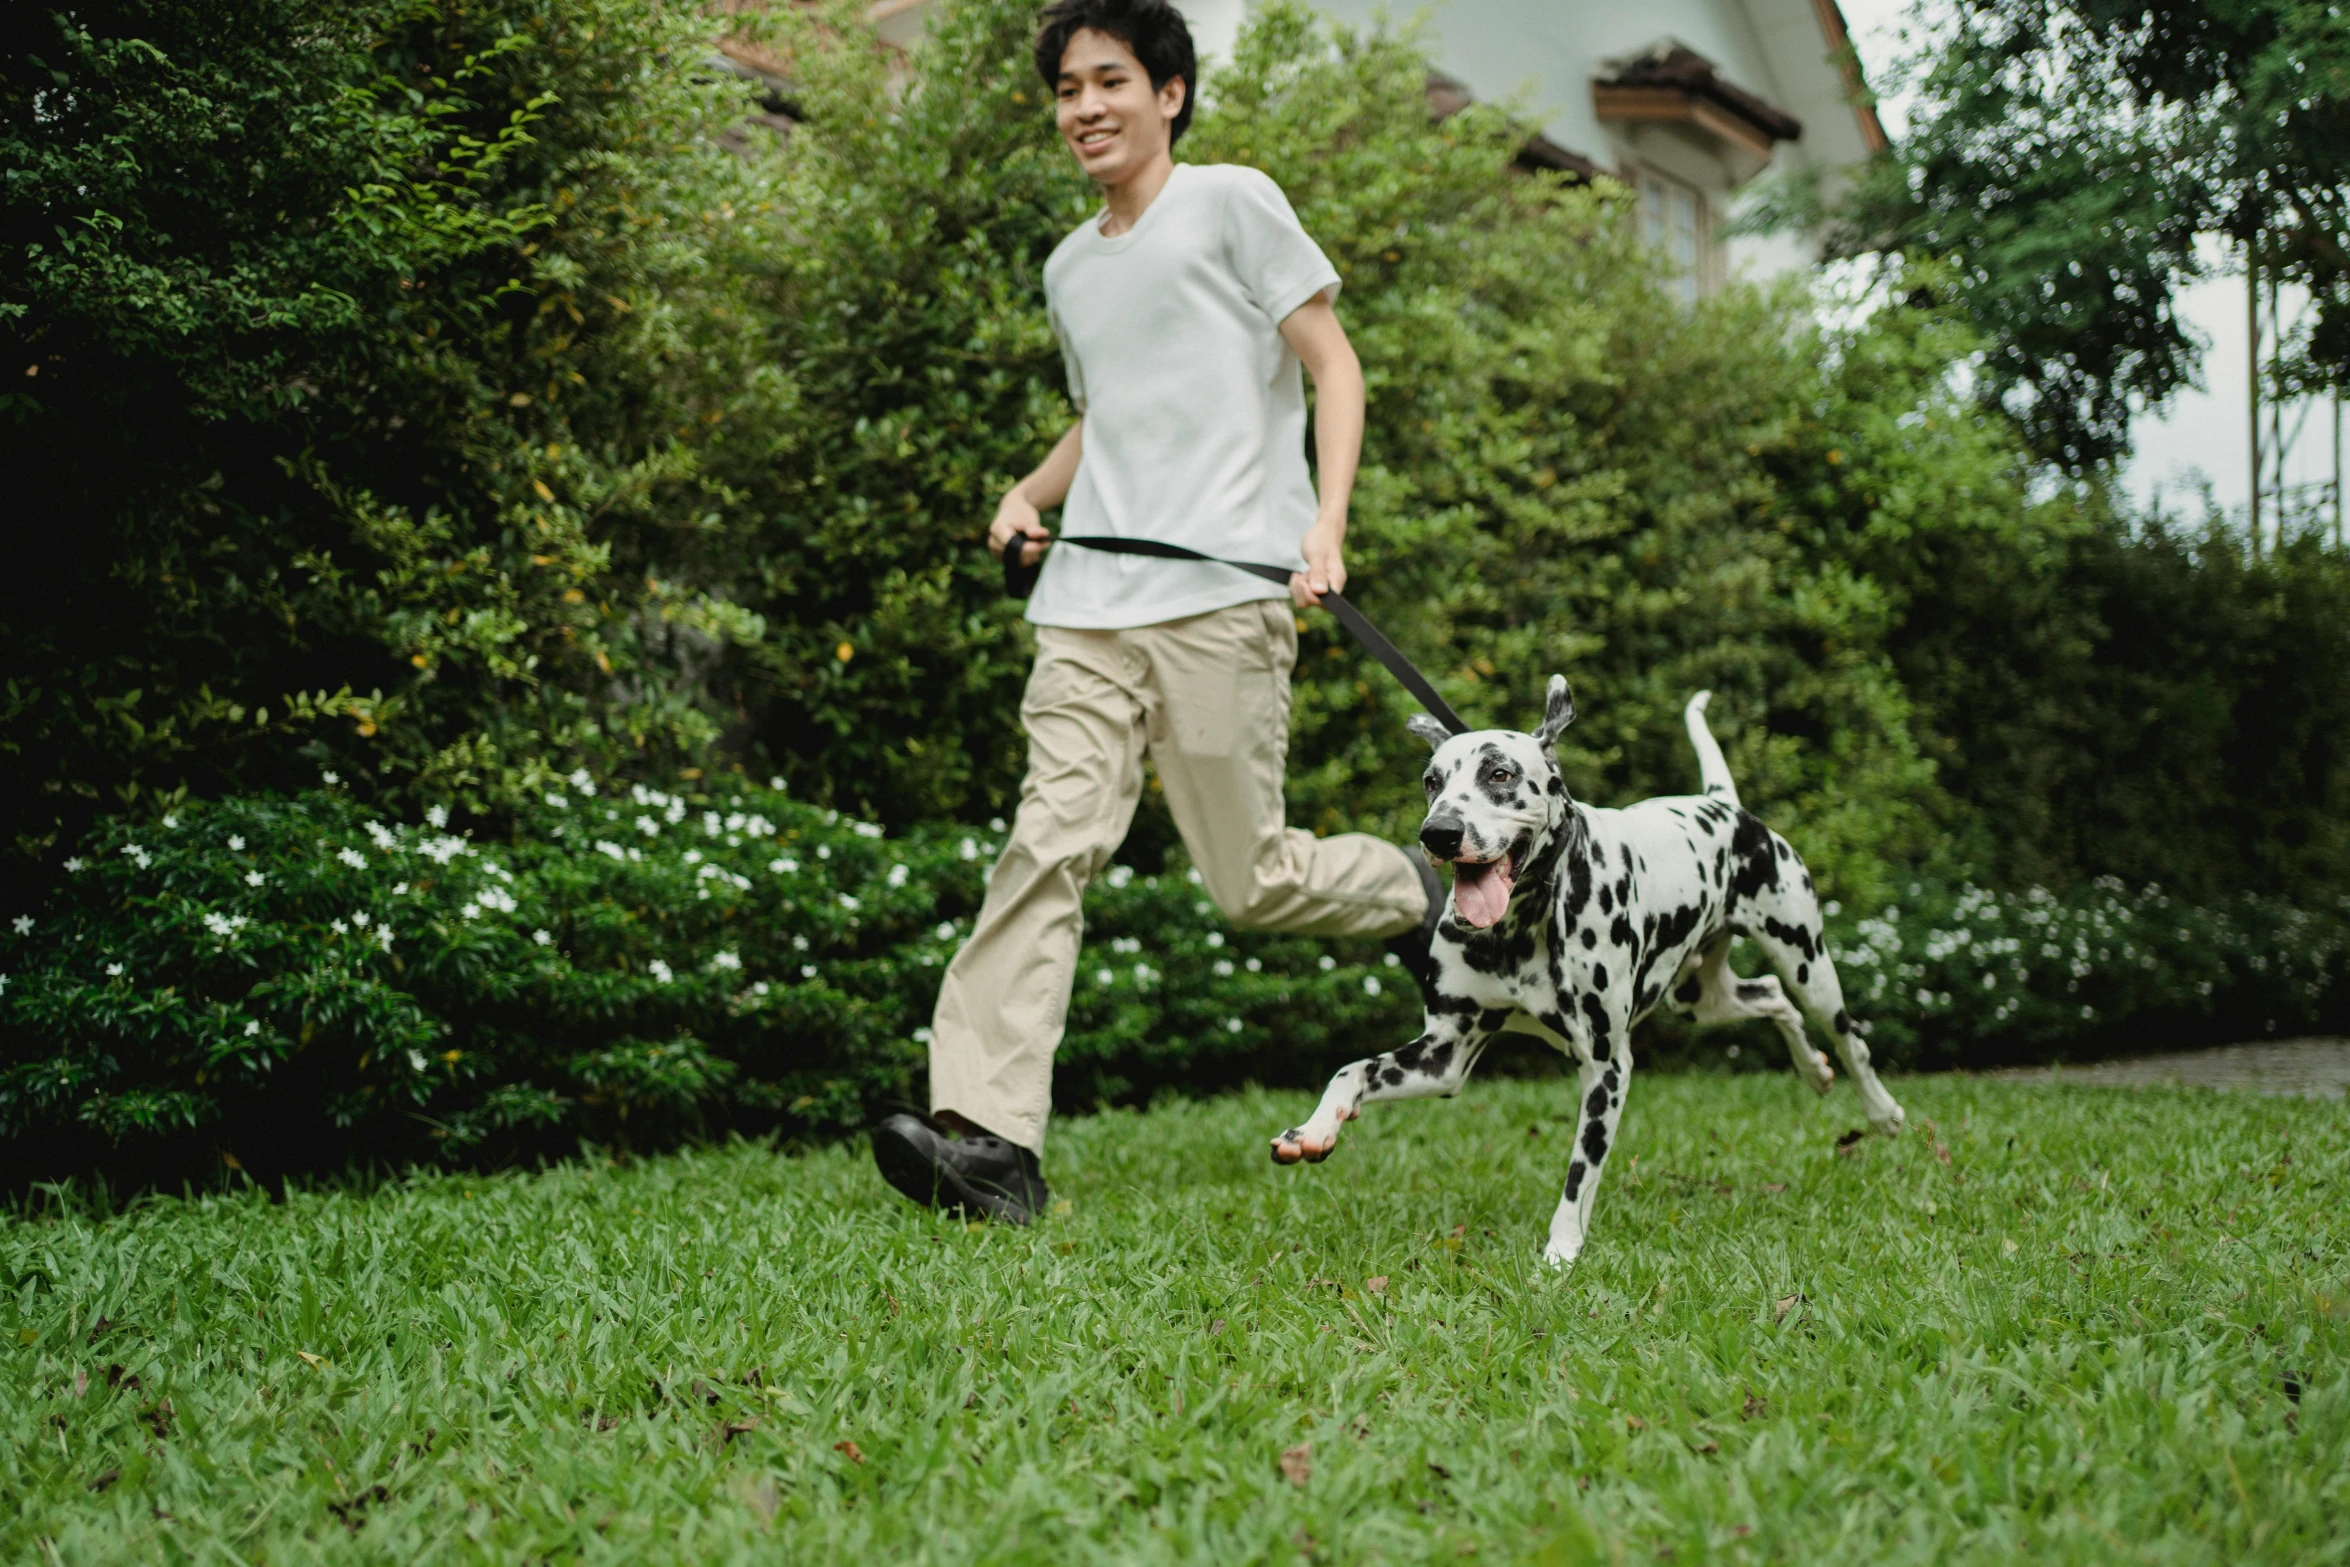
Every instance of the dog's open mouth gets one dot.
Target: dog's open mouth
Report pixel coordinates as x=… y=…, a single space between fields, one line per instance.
x=1481 y=890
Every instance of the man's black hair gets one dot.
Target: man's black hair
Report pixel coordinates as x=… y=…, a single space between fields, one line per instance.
x=1153 y=29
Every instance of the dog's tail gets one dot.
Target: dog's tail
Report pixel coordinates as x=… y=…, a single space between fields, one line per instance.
x=1710 y=765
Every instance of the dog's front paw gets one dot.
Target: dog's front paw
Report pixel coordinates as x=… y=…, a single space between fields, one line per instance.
x=1298 y=1143
x=1822 y=1076
x=1889 y=1121
x=1558 y=1258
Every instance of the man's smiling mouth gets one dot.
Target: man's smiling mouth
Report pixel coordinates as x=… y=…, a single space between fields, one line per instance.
x=1481 y=889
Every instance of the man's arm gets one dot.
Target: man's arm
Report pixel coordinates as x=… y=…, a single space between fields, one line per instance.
x=1314 y=335
x=1047 y=486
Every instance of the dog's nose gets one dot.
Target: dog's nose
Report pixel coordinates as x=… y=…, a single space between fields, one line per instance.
x=1441 y=836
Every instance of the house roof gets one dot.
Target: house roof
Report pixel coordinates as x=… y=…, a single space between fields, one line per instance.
x=1671 y=81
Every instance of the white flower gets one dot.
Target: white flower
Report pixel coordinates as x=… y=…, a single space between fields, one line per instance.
x=114 y=971
x=693 y=856
x=649 y=827
x=331 y=778
x=338 y=927
x=661 y=971
x=824 y=851
x=784 y=866
x=759 y=989
x=606 y=846
x=582 y=782
x=1232 y=1025
x=1328 y=963
x=711 y=825
x=416 y=1060
x=171 y=820
x=136 y=853
x=252 y=1027
x=1370 y=984
x=1103 y=976
x=382 y=836
x=75 y=863
x=730 y=960
x=897 y=875
x=1254 y=965
x=1392 y=961
x=923 y=1036
x=807 y=971
x=1224 y=968
x=945 y=931
x=469 y=911
x=995 y=824
x=559 y=802
x=543 y=938
x=254 y=878
x=360 y=919
x=383 y=936
x=1215 y=938
x=969 y=850
x=866 y=829
x=438 y=815
x=236 y=842
x=400 y=890
x=495 y=898
x=799 y=943
x=225 y=925
x=848 y=902
x=352 y=858
x=23 y=924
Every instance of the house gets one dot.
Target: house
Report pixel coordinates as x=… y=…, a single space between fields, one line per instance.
x=1689 y=102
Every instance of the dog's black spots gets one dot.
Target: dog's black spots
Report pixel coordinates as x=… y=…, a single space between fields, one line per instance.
x=1578 y=886
x=1599 y=976
x=1843 y=1024
x=1574 y=1180
x=1688 y=993
x=1609 y=1079
x=1750 y=846
x=1780 y=845
x=1596 y=1105
x=1620 y=933
x=1392 y=1077
x=1596 y=1015
x=1451 y=1006
x=1590 y=939
x=1607 y=900
x=1753 y=990
x=1803 y=973
x=1594 y=1140
x=1797 y=936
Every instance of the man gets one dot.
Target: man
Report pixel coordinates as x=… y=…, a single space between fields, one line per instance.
x=1184 y=310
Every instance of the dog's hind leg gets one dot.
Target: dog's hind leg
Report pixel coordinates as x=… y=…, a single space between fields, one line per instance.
x=1800 y=953
x=1714 y=994
x=1435 y=1064
x=1602 y=1085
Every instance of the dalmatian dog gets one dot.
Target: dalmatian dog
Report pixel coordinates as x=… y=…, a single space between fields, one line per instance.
x=1572 y=923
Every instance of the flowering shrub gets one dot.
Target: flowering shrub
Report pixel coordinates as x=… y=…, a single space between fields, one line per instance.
x=1962 y=976
x=278 y=977
x=291 y=979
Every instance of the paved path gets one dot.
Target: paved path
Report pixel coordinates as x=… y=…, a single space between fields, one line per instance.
x=2307 y=1068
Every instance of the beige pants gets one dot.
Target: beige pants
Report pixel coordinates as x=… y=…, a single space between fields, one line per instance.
x=1207 y=698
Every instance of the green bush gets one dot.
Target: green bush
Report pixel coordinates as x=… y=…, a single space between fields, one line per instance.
x=292 y=979
x=1968 y=976
x=363 y=364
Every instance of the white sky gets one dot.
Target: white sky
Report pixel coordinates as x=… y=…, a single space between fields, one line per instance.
x=2202 y=435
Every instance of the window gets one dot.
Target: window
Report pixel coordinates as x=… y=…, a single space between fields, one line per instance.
x=1672 y=221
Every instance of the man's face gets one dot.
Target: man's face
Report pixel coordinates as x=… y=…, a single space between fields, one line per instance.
x=1106 y=110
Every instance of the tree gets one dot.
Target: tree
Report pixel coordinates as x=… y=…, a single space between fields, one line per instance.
x=2068 y=155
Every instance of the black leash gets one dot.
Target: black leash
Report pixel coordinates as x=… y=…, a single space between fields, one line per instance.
x=1020 y=581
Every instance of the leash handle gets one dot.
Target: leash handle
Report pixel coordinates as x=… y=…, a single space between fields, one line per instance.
x=1020 y=581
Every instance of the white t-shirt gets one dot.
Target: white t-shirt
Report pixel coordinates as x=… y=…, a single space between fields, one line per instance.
x=1195 y=413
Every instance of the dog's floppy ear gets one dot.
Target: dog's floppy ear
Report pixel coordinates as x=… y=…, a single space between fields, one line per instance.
x=1428 y=729
x=1558 y=711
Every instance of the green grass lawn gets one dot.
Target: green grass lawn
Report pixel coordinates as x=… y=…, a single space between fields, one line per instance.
x=2064 y=1323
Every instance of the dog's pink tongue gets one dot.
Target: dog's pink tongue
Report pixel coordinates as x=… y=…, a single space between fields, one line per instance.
x=1481 y=892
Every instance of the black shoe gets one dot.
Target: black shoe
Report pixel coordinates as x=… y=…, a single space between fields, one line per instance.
x=1412 y=948
x=982 y=1174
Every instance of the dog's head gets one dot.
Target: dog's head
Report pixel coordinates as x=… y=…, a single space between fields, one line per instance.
x=1496 y=801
